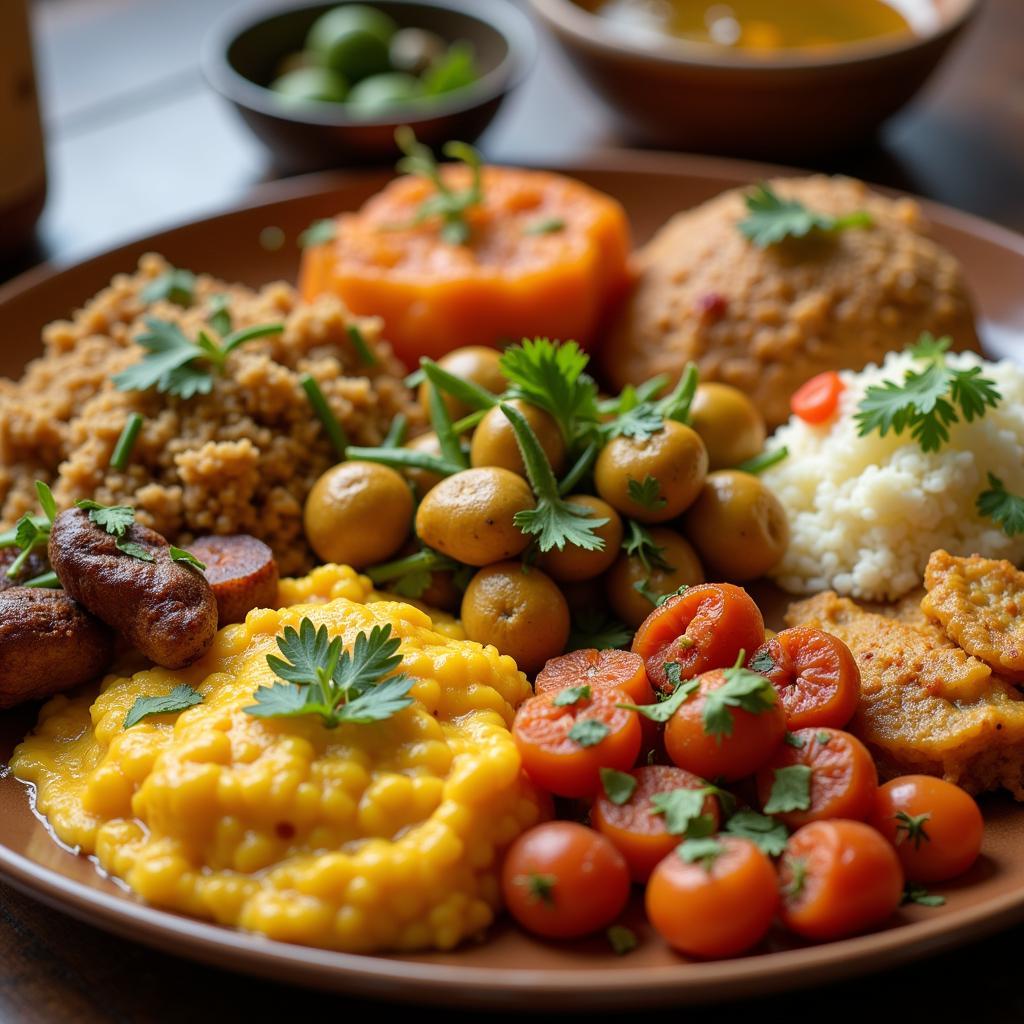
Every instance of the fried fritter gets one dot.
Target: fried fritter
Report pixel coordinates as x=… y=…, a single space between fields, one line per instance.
x=979 y=603
x=926 y=706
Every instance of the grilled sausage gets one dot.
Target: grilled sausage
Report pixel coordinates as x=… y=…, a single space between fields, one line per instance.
x=34 y=565
x=163 y=608
x=48 y=643
x=242 y=572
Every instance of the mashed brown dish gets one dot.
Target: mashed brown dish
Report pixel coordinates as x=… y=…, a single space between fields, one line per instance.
x=766 y=320
x=239 y=460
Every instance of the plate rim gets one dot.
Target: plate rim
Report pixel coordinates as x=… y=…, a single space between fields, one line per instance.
x=484 y=986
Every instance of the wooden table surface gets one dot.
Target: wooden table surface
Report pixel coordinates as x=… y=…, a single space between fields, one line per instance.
x=137 y=142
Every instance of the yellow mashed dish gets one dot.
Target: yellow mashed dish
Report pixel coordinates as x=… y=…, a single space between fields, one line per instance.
x=366 y=837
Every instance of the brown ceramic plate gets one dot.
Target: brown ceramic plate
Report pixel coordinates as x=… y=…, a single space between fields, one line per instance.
x=508 y=970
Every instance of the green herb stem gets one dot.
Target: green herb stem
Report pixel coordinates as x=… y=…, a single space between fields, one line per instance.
x=421 y=561
x=126 y=442
x=404 y=458
x=334 y=430
x=465 y=391
x=360 y=344
x=763 y=460
x=468 y=423
x=580 y=468
x=395 y=437
x=8 y=539
x=447 y=439
x=47 y=580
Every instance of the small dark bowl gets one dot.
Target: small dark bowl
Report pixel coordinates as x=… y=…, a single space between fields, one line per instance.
x=243 y=50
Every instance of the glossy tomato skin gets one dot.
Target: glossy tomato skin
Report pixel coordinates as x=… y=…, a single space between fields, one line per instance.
x=838 y=878
x=562 y=880
x=622 y=670
x=939 y=847
x=565 y=766
x=637 y=833
x=754 y=738
x=815 y=675
x=703 y=628
x=816 y=401
x=717 y=910
x=844 y=780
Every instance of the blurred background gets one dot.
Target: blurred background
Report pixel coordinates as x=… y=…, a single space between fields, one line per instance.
x=137 y=138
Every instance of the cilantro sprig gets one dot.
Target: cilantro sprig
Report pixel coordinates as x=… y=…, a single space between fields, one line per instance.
x=180 y=698
x=646 y=493
x=176 y=365
x=770 y=218
x=683 y=811
x=1002 y=506
x=410 y=576
x=342 y=686
x=928 y=401
x=767 y=832
x=791 y=789
x=450 y=205
x=174 y=285
x=32 y=532
x=742 y=689
x=116 y=520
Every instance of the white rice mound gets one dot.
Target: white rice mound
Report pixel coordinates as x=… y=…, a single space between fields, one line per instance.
x=866 y=512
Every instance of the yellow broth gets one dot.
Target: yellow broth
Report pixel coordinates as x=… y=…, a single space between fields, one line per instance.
x=758 y=26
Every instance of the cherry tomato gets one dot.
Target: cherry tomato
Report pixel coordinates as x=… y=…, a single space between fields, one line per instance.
x=563 y=880
x=816 y=676
x=704 y=627
x=564 y=745
x=639 y=833
x=838 y=878
x=818 y=399
x=599 y=669
x=935 y=826
x=843 y=779
x=717 y=739
x=715 y=907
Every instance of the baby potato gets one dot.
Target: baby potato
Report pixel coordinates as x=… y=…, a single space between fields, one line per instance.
x=494 y=440
x=358 y=513
x=676 y=565
x=652 y=479
x=521 y=611
x=573 y=564
x=729 y=424
x=738 y=525
x=475 y=363
x=468 y=516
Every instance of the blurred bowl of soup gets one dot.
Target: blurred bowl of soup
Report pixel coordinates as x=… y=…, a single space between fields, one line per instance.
x=780 y=79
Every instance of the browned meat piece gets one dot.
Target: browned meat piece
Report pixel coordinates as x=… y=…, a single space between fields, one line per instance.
x=979 y=602
x=35 y=565
x=165 y=609
x=242 y=572
x=48 y=643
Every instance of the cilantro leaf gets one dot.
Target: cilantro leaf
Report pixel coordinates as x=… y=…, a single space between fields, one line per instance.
x=664 y=710
x=410 y=576
x=623 y=940
x=640 y=421
x=619 y=787
x=638 y=542
x=129 y=547
x=220 y=314
x=454 y=69
x=588 y=732
x=769 y=834
x=378 y=702
x=646 y=493
x=186 y=558
x=797 y=868
x=762 y=662
x=743 y=689
x=180 y=698
x=592 y=627
x=683 y=810
x=915 y=893
x=115 y=519
x=644 y=589
x=46 y=501
x=770 y=218
x=571 y=695
x=700 y=851
x=792 y=740
x=177 y=286
x=308 y=651
x=282 y=700
x=545 y=226
x=791 y=789
x=551 y=376
x=1002 y=507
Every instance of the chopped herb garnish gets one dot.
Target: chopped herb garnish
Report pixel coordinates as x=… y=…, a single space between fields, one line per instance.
x=540 y=888
x=791 y=789
x=619 y=787
x=743 y=689
x=588 y=732
x=174 y=365
x=320 y=232
x=765 y=460
x=823 y=738
x=762 y=662
x=410 y=576
x=220 y=315
x=31 y=532
x=911 y=828
x=332 y=427
x=126 y=442
x=186 y=558
x=638 y=541
x=180 y=698
x=571 y=695
x=928 y=401
x=770 y=218
x=1002 y=507
x=683 y=810
x=115 y=519
x=545 y=226
x=642 y=418
x=450 y=205
x=623 y=940
x=665 y=709
x=47 y=580
x=129 y=547
x=766 y=832
x=700 y=851
x=915 y=893
x=361 y=345
x=177 y=286
x=342 y=686
x=792 y=740
x=554 y=521
x=593 y=628
x=646 y=493
x=798 y=877
x=644 y=589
